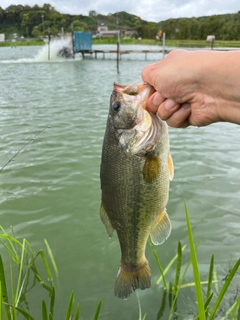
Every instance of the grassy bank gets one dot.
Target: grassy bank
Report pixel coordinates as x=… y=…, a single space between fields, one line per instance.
x=172 y=43
x=169 y=43
x=21 y=43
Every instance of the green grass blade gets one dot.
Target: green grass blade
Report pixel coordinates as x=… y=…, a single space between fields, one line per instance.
x=98 y=310
x=224 y=289
x=52 y=302
x=178 y=268
x=216 y=282
x=51 y=257
x=44 y=311
x=169 y=266
x=139 y=306
x=159 y=265
x=210 y=277
x=25 y=314
x=144 y=317
x=17 y=295
x=44 y=260
x=4 y=294
x=13 y=309
x=70 y=307
x=206 y=305
x=39 y=278
x=199 y=293
x=21 y=289
x=233 y=310
x=170 y=288
x=11 y=241
x=238 y=315
x=11 y=252
x=1 y=301
x=77 y=315
x=192 y=284
x=177 y=283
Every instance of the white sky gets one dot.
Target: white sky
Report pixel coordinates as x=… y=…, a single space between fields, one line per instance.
x=150 y=10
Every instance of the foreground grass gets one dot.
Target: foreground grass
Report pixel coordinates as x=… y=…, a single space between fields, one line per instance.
x=208 y=306
x=26 y=263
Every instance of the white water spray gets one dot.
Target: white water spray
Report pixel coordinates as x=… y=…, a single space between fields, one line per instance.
x=43 y=54
x=55 y=47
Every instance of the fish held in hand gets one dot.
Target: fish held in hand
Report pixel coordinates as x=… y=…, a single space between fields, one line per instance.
x=136 y=168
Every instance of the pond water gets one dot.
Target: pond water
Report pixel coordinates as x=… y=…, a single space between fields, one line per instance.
x=52 y=189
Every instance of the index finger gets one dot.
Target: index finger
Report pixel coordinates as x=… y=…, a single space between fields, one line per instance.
x=147 y=73
x=154 y=101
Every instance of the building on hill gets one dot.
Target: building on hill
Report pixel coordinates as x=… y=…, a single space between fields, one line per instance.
x=102 y=27
x=103 y=32
x=108 y=34
x=2 y=37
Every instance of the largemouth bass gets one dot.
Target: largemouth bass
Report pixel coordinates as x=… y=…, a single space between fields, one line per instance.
x=136 y=169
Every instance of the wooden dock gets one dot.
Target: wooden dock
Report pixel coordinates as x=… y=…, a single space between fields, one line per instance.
x=103 y=53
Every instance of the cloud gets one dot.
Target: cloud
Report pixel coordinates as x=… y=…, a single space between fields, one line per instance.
x=149 y=10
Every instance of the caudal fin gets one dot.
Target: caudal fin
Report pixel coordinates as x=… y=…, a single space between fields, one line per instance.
x=131 y=278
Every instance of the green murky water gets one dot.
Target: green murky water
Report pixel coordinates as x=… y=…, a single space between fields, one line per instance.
x=52 y=188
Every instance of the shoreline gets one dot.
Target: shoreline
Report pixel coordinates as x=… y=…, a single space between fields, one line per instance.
x=168 y=43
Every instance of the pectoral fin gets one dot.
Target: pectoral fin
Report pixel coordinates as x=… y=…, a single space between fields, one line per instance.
x=162 y=229
x=151 y=169
x=170 y=167
x=106 y=221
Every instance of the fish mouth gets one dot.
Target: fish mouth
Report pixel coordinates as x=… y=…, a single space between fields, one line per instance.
x=145 y=90
x=140 y=137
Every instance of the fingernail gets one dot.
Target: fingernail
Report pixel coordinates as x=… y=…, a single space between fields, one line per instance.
x=169 y=104
x=186 y=106
x=157 y=99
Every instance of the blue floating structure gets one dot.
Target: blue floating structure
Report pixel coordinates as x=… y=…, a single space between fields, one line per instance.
x=82 y=41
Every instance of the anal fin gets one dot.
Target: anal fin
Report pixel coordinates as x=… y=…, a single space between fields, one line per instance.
x=106 y=221
x=162 y=229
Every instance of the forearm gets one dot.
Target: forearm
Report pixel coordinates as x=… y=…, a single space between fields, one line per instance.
x=222 y=82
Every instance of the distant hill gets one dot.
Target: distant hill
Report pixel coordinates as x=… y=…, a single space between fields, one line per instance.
x=35 y=21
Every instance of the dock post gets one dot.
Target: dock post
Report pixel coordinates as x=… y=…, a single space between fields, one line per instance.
x=118 y=51
x=73 y=45
x=212 y=43
x=49 y=39
x=163 y=44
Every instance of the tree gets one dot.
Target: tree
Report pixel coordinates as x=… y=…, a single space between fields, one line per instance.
x=92 y=13
x=35 y=32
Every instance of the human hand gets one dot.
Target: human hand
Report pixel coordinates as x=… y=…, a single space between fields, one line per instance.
x=187 y=86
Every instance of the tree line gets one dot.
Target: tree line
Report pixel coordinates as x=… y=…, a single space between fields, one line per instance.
x=35 y=21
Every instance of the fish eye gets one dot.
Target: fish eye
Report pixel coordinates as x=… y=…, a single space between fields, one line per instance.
x=116 y=105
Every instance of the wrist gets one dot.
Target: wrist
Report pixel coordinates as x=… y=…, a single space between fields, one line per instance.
x=221 y=84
